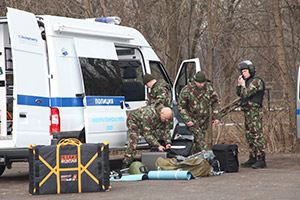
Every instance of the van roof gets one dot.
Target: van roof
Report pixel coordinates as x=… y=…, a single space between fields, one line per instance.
x=64 y=26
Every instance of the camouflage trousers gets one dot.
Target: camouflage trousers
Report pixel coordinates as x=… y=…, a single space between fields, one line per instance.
x=254 y=135
x=133 y=133
x=199 y=139
x=131 y=147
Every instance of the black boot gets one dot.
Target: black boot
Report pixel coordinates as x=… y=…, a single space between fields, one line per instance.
x=250 y=162
x=261 y=162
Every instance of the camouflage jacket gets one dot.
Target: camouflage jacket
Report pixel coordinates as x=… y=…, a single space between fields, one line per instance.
x=194 y=102
x=160 y=94
x=148 y=120
x=249 y=90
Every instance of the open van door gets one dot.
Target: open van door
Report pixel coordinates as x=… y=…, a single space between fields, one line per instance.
x=104 y=105
x=186 y=72
x=30 y=87
x=298 y=104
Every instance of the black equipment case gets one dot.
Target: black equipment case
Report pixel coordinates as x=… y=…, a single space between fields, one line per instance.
x=69 y=167
x=180 y=147
x=227 y=155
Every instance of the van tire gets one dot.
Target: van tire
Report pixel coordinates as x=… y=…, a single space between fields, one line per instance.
x=82 y=137
x=2 y=168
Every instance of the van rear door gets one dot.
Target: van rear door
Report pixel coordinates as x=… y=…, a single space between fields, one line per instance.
x=30 y=80
x=104 y=105
x=186 y=72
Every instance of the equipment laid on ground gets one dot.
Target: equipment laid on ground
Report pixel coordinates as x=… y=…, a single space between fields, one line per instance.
x=227 y=155
x=198 y=167
x=138 y=167
x=149 y=159
x=69 y=167
x=170 y=175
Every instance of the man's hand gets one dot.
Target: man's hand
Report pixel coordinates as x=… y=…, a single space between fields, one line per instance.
x=241 y=81
x=216 y=122
x=190 y=123
x=168 y=146
x=161 y=148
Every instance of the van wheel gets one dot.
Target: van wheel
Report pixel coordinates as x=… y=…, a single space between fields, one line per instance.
x=2 y=168
x=82 y=137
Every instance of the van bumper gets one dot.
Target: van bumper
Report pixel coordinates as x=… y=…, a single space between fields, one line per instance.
x=10 y=155
x=57 y=136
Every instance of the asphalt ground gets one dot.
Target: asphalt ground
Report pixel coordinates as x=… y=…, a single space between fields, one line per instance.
x=280 y=180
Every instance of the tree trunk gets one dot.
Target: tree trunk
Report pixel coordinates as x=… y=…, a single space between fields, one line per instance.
x=87 y=8
x=211 y=31
x=289 y=88
x=172 y=39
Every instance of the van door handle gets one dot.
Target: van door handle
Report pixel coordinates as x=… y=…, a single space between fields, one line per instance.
x=38 y=101
x=22 y=115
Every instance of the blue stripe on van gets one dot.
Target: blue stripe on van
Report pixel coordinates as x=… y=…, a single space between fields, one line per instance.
x=104 y=101
x=67 y=102
x=32 y=100
x=298 y=111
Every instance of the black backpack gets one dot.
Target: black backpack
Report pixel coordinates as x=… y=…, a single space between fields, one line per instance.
x=227 y=155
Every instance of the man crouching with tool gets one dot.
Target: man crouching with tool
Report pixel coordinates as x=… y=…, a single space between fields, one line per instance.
x=145 y=122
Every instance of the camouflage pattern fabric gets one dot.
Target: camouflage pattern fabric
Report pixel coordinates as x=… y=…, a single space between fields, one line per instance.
x=159 y=95
x=193 y=105
x=253 y=118
x=145 y=122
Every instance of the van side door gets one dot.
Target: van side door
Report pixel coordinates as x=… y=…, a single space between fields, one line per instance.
x=31 y=110
x=186 y=72
x=104 y=104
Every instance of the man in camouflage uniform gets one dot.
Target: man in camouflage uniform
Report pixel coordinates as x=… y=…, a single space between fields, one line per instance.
x=193 y=106
x=145 y=122
x=251 y=89
x=159 y=93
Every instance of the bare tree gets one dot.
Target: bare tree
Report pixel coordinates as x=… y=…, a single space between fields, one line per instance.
x=290 y=92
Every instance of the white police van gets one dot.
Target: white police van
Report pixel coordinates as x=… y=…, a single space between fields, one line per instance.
x=63 y=77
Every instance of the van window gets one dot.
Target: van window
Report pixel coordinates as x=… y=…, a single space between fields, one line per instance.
x=132 y=86
x=158 y=71
x=101 y=77
x=187 y=72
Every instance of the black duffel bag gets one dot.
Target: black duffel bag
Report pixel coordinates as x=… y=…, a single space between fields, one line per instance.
x=227 y=155
x=69 y=167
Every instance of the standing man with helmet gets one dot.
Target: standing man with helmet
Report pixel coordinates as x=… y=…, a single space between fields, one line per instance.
x=145 y=121
x=193 y=106
x=251 y=89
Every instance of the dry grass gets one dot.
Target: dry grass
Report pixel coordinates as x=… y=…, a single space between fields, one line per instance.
x=275 y=129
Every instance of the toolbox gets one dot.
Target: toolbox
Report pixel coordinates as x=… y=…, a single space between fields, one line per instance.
x=149 y=159
x=69 y=167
